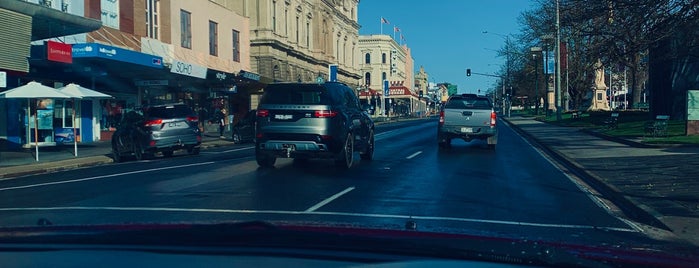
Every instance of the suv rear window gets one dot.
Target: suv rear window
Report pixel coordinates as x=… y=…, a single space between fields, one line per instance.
x=468 y=102
x=296 y=94
x=169 y=111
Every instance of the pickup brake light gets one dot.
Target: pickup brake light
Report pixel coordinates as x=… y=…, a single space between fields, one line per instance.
x=441 y=117
x=493 y=118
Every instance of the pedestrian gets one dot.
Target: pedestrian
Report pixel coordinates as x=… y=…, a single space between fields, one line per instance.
x=221 y=116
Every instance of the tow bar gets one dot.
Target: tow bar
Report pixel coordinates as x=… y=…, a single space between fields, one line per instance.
x=288 y=151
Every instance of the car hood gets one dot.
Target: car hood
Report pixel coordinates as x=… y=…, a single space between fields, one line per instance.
x=346 y=238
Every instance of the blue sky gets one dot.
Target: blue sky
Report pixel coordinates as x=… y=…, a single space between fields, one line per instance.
x=446 y=36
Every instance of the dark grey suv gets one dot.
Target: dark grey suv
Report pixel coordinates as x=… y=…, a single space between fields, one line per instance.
x=159 y=128
x=303 y=121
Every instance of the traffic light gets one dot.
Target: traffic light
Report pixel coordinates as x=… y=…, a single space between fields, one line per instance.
x=468 y=72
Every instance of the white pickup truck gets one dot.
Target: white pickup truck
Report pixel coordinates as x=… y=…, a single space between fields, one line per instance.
x=468 y=117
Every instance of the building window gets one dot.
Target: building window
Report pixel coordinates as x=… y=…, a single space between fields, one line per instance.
x=110 y=13
x=308 y=34
x=286 y=21
x=186 y=29
x=367 y=78
x=367 y=58
x=152 y=19
x=383 y=76
x=297 y=30
x=236 y=46
x=274 y=16
x=383 y=58
x=213 y=38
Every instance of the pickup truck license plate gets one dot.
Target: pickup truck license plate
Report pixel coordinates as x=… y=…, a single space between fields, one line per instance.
x=467 y=130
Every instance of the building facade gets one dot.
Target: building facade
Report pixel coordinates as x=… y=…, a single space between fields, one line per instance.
x=296 y=40
x=146 y=52
x=383 y=59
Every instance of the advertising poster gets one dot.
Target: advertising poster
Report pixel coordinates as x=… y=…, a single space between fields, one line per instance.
x=45 y=118
x=65 y=135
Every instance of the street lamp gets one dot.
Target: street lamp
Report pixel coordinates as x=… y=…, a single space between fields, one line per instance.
x=507 y=67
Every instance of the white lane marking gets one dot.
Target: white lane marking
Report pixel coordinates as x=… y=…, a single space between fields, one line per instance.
x=102 y=177
x=239 y=149
x=586 y=190
x=413 y=155
x=329 y=199
x=384 y=133
x=326 y=213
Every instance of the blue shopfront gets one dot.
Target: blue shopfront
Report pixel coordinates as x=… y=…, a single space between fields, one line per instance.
x=111 y=70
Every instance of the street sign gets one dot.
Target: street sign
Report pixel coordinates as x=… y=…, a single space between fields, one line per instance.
x=332 y=72
x=3 y=79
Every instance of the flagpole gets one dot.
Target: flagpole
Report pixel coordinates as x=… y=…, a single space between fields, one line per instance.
x=381 y=21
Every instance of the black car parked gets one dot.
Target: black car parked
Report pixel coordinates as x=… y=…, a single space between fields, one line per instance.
x=160 y=128
x=302 y=121
x=244 y=129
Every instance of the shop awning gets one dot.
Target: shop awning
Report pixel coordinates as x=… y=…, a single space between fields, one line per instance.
x=48 y=22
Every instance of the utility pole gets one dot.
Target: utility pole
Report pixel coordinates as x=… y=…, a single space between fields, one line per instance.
x=558 y=61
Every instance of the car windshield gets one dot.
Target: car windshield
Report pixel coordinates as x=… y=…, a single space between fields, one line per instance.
x=533 y=132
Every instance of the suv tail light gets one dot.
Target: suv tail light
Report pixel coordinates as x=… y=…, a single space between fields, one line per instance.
x=441 y=118
x=192 y=119
x=325 y=113
x=153 y=122
x=493 y=118
x=262 y=113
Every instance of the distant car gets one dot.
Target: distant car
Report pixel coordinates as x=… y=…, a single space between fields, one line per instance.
x=244 y=129
x=160 y=128
x=468 y=117
x=302 y=121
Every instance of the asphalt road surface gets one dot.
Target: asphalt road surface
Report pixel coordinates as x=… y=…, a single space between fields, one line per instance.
x=513 y=191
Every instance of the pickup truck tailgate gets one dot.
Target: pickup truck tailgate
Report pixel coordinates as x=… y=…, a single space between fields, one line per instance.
x=459 y=117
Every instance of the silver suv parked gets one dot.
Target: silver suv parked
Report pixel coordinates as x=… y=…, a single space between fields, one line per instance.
x=159 y=128
x=303 y=121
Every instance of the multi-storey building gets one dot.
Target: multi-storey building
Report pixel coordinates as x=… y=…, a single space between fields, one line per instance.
x=296 y=40
x=385 y=62
x=146 y=51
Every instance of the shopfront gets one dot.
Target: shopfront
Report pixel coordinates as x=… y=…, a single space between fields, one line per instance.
x=113 y=71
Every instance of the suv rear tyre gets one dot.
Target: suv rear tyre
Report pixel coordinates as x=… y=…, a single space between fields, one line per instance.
x=116 y=155
x=368 y=153
x=346 y=156
x=265 y=160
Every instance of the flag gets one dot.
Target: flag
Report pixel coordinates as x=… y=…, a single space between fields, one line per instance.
x=384 y=21
x=402 y=37
x=396 y=29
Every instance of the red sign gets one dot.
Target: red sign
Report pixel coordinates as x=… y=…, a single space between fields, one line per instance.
x=59 y=52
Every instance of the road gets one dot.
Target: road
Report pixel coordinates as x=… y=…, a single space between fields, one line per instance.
x=513 y=191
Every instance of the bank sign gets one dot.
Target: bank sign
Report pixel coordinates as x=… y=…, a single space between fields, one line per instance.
x=95 y=50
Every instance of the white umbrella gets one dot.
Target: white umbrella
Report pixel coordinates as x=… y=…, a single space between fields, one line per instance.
x=79 y=92
x=34 y=90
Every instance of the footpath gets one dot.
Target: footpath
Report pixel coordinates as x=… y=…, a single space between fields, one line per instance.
x=655 y=185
